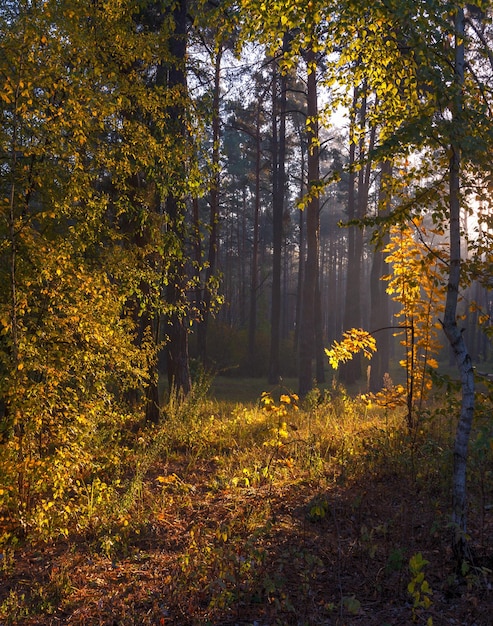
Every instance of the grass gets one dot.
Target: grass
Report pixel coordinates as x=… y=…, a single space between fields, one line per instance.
x=236 y=511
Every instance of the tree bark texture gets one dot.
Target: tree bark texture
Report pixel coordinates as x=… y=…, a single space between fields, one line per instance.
x=454 y=334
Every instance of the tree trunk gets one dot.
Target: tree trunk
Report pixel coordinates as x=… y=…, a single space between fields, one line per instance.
x=242 y=256
x=252 y=319
x=320 y=358
x=347 y=375
x=350 y=372
x=301 y=252
x=214 y=211
x=278 y=192
x=452 y=331
x=307 y=330
x=177 y=346
x=379 y=299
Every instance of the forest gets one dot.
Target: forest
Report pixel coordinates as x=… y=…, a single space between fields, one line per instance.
x=246 y=260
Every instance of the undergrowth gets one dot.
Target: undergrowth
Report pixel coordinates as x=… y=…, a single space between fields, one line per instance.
x=270 y=510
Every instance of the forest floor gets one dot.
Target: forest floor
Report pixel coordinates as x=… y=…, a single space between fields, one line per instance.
x=327 y=515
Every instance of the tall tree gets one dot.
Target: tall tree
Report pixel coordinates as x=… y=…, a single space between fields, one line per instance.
x=357 y=209
x=279 y=99
x=252 y=318
x=177 y=333
x=214 y=198
x=452 y=331
x=310 y=285
x=379 y=300
x=213 y=27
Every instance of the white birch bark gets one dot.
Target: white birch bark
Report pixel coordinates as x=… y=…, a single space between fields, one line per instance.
x=452 y=331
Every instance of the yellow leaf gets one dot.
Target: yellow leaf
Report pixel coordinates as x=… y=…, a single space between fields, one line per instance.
x=171 y=478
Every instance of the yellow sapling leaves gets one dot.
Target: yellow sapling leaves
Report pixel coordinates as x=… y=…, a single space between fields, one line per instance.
x=280 y=432
x=354 y=341
x=417 y=284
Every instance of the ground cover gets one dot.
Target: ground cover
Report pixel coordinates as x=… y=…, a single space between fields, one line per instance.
x=263 y=513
